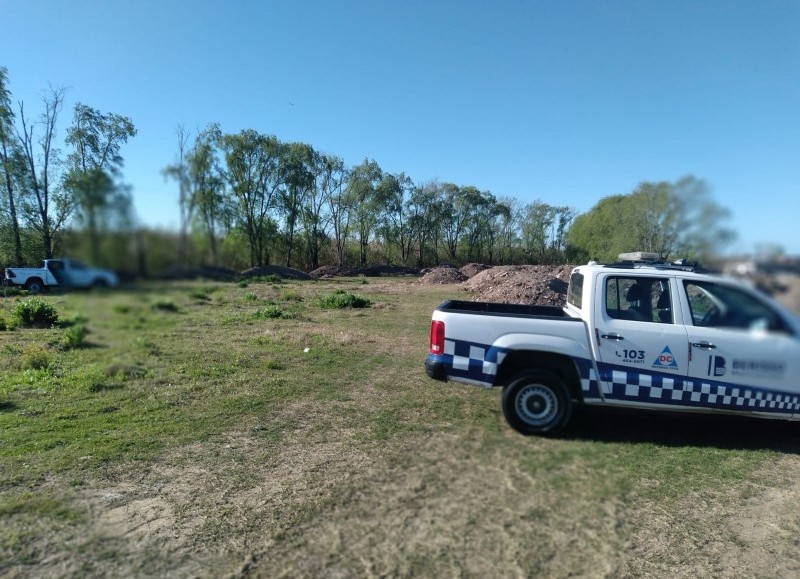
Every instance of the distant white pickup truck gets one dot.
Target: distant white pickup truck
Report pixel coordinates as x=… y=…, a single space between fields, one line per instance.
x=639 y=335
x=59 y=272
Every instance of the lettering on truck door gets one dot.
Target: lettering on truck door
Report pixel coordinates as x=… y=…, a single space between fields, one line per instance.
x=642 y=343
x=743 y=355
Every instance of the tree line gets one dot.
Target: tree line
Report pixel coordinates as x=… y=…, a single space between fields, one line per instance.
x=300 y=207
x=249 y=199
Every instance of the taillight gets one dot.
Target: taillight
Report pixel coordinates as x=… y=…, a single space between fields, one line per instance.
x=437 y=337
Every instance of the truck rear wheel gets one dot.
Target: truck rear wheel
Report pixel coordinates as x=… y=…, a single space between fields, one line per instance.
x=536 y=402
x=34 y=285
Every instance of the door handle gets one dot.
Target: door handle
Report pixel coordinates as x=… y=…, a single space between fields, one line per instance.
x=612 y=337
x=705 y=345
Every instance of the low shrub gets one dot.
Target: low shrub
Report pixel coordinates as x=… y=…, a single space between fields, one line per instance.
x=341 y=300
x=271 y=313
x=291 y=295
x=165 y=306
x=35 y=358
x=35 y=313
x=74 y=336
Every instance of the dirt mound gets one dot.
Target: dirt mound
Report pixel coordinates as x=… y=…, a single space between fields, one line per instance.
x=199 y=272
x=388 y=270
x=473 y=269
x=279 y=270
x=327 y=271
x=441 y=275
x=544 y=285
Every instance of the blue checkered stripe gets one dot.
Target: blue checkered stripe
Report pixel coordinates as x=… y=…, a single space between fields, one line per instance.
x=479 y=363
x=589 y=382
x=658 y=388
x=471 y=361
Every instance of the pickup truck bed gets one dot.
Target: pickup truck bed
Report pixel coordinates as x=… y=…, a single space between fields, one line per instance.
x=490 y=308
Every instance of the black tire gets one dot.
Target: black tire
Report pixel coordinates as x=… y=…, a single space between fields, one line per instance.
x=536 y=402
x=100 y=283
x=34 y=285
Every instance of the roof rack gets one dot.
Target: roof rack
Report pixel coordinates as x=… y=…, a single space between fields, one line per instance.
x=644 y=259
x=680 y=265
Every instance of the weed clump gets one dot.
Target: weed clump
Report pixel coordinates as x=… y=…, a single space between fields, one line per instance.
x=35 y=358
x=35 y=313
x=74 y=337
x=291 y=296
x=271 y=313
x=165 y=306
x=342 y=300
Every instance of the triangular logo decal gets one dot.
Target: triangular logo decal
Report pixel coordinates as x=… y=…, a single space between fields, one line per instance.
x=665 y=359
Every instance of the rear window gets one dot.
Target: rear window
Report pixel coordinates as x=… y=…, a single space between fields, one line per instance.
x=575 y=291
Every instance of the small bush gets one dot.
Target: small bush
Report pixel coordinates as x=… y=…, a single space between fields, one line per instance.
x=165 y=306
x=122 y=309
x=341 y=300
x=271 y=313
x=74 y=336
x=35 y=313
x=3 y=325
x=251 y=297
x=199 y=294
x=291 y=296
x=242 y=284
x=35 y=358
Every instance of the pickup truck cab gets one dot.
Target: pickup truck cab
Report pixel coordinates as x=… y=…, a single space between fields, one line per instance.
x=62 y=272
x=632 y=334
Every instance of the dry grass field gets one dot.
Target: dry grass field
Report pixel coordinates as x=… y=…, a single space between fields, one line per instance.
x=224 y=430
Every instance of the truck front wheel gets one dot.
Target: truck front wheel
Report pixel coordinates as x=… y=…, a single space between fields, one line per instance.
x=34 y=285
x=536 y=402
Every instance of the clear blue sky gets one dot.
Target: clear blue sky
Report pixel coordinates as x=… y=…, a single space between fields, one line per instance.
x=561 y=101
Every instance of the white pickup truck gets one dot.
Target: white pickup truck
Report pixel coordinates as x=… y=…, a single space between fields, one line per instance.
x=59 y=272
x=639 y=335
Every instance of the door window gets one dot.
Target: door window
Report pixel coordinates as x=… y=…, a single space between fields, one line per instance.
x=641 y=299
x=720 y=306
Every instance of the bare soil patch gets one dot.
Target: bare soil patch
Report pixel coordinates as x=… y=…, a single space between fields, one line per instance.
x=522 y=284
x=442 y=274
x=329 y=271
x=280 y=271
x=472 y=269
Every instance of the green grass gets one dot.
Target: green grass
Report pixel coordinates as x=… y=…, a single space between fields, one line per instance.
x=274 y=417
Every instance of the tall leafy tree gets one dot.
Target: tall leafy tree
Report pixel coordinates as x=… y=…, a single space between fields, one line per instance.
x=497 y=214
x=297 y=170
x=539 y=218
x=47 y=207
x=481 y=208
x=94 y=163
x=672 y=219
x=362 y=190
x=10 y=162
x=334 y=179
x=254 y=175
x=207 y=198
x=427 y=214
x=454 y=218
x=401 y=213
x=316 y=220
x=508 y=226
x=179 y=171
